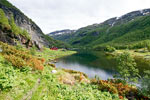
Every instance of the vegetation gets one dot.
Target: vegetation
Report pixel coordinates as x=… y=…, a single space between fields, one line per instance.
x=56 y=43
x=123 y=34
x=127 y=67
x=8 y=4
x=145 y=89
x=4 y=23
x=21 y=58
x=33 y=50
x=9 y=25
x=46 y=85
x=17 y=30
x=109 y=49
x=29 y=74
x=7 y=75
x=129 y=73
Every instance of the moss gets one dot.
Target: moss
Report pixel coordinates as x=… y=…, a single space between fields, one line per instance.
x=4 y=23
x=17 y=30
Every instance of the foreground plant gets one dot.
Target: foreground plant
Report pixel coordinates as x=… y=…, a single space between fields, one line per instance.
x=126 y=67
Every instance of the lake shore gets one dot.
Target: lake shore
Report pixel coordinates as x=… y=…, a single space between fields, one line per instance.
x=138 y=54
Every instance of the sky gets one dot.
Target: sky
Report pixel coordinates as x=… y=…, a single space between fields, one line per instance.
x=52 y=15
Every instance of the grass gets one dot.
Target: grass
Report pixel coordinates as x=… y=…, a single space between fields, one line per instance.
x=53 y=54
x=142 y=53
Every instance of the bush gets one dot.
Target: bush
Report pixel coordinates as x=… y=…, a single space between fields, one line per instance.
x=21 y=58
x=109 y=49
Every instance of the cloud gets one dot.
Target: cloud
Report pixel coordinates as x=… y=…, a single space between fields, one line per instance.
x=53 y=15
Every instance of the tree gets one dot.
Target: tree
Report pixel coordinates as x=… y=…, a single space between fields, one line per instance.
x=126 y=67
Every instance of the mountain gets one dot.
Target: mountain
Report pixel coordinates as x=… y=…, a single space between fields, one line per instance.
x=62 y=35
x=21 y=24
x=118 y=31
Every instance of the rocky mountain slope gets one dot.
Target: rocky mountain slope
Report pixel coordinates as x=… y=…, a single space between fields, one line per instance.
x=127 y=29
x=37 y=37
x=63 y=35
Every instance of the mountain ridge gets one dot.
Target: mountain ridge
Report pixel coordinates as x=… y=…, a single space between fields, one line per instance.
x=111 y=29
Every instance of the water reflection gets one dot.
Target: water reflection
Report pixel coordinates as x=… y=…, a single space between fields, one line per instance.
x=94 y=63
x=91 y=63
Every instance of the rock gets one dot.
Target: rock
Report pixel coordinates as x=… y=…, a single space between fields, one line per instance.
x=25 y=23
x=50 y=64
x=54 y=71
x=23 y=40
x=5 y=37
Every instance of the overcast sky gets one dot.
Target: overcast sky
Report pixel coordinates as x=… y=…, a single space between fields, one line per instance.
x=51 y=15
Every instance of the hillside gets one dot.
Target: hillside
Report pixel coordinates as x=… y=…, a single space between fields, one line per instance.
x=23 y=23
x=62 y=35
x=26 y=76
x=27 y=70
x=118 y=31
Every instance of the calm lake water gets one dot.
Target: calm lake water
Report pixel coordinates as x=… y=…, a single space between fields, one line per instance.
x=91 y=63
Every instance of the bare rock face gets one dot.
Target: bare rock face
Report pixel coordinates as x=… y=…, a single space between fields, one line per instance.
x=37 y=36
x=7 y=38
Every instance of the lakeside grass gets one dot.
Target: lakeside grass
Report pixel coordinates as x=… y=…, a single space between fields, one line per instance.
x=48 y=54
x=142 y=55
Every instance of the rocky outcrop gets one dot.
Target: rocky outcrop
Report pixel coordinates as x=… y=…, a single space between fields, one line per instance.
x=37 y=36
x=7 y=38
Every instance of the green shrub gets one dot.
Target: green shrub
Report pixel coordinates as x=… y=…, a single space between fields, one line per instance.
x=109 y=49
x=4 y=23
x=7 y=75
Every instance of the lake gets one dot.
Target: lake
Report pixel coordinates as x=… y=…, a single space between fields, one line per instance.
x=93 y=63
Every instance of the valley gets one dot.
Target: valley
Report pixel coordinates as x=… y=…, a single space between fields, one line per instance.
x=105 y=61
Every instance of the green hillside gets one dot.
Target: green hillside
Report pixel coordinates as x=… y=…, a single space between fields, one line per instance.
x=127 y=34
x=128 y=29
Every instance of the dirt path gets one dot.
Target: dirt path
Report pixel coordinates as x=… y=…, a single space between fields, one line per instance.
x=29 y=93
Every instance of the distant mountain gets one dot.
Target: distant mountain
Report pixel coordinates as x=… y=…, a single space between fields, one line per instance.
x=118 y=31
x=63 y=35
x=22 y=22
